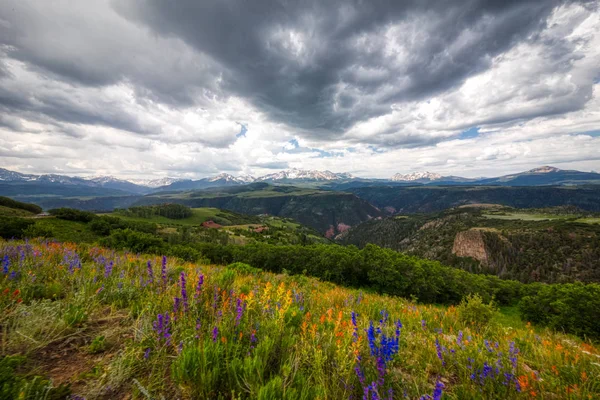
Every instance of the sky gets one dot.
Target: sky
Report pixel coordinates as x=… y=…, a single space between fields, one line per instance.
x=192 y=88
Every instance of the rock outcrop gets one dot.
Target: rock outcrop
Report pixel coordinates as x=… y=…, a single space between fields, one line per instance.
x=471 y=243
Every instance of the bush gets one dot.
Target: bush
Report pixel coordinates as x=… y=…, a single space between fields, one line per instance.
x=572 y=308
x=37 y=230
x=473 y=311
x=137 y=242
x=72 y=214
x=14 y=227
x=243 y=268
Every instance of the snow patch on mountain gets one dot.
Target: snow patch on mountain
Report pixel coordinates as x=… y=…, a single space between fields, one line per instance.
x=305 y=174
x=417 y=176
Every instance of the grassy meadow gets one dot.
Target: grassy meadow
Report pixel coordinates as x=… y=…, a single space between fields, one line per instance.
x=92 y=323
x=199 y=215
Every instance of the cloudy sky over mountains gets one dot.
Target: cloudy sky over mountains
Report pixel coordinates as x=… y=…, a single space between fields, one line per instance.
x=190 y=88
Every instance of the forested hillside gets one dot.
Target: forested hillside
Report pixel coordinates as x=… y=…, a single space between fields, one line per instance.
x=428 y=199
x=324 y=211
x=530 y=246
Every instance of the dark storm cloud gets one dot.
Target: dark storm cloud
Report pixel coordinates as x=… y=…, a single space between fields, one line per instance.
x=317 y=66
x=288 y=57
x=89 y=44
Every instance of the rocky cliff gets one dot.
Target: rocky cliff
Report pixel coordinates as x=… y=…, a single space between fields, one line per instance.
x=471 y=243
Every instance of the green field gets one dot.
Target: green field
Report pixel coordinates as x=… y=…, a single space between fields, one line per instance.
x=514 y=216
x=588 y=220
x=527 y=216
x=199 y=216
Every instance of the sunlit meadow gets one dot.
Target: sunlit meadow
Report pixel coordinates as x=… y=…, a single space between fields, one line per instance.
x=156 y=327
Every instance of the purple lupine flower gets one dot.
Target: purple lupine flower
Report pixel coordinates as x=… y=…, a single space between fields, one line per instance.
x=164 y=271
x=487 y=346
x=459 y=339
x=384 y=317
x=359 y=372
x=150 y=272
x=147 y=353
x=423 y=324
x=239 y=311
x=176 y=305
x=380 y=370
x=184 y=296
x=215 y=333
x=438 y=391
x=161 y=326
x=199 y=287
x=5 y=264
x=108 y=269
x=198 y=326
x=355 y=333
x=438 y=348
x=398 y=327
x=513 y=351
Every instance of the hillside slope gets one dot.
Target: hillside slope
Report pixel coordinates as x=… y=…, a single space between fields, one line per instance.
x=525 y=245
x=406 y=200
x=122 y=325
x=321 y=210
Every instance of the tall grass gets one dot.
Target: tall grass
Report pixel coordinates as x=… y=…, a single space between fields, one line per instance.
x=213 y=332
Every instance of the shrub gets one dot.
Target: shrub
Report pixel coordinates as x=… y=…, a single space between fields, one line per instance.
x=572 y=308
x=71 y=214
x=37 y=230
x=472 y=310
x=133 y=241
x=14 y=227
x=243 y=268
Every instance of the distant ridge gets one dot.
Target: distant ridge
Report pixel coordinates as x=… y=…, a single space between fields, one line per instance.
x=544 y=175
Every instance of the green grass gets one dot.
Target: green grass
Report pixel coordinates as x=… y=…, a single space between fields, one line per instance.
x=14 y=212
x=527 y=216
x=248 y=334
x=199 y=216
x=588 y=220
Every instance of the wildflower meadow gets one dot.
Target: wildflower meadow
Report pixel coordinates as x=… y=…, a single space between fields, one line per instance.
x=123 y=325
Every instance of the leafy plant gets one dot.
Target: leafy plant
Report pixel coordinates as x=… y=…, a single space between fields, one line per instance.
x=472 y=310
x=98 y=345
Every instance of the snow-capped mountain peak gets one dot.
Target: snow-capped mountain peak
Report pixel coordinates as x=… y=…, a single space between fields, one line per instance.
x=222 y=176
x=246 y=178
x=417 y=176
x=544 y=170
x=304 y=174
x=157 y=182
x=105 y=179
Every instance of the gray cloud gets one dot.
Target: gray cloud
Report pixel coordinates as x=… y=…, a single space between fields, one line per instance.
x=174 y=81
x=291 y=58
x=272 y=165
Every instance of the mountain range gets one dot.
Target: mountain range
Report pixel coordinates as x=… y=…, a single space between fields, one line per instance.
x=16 y=183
